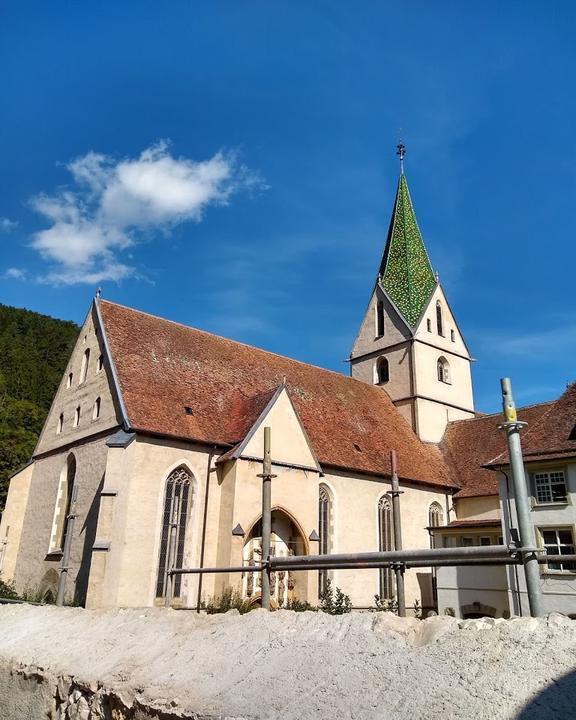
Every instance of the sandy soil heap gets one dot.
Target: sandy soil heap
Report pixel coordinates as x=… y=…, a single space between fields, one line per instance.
x=282 y=665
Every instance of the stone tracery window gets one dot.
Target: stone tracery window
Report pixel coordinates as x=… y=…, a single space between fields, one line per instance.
x=435 y=515
x=443 y=369
x=386 y=543
x=177 y=499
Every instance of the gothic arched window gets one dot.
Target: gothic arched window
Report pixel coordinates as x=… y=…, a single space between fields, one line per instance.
x=443 y=370
x=382 y=371
x=379 y=318
x=177 y=498
x=439 y=325
x=325 y=522
x=63 y=503
x=435 y=515
x=386 y=543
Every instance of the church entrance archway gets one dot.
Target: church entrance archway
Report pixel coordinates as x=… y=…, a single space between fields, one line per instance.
x=287 y=539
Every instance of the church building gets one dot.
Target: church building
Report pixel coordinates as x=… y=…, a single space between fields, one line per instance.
x=155 y=441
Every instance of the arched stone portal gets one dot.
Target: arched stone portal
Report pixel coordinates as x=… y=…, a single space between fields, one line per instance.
x=287 y=539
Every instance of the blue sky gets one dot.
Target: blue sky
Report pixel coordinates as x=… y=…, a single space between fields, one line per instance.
x=231 y=165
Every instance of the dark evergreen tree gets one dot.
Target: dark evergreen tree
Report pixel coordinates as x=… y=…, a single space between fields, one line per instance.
x=34 y=350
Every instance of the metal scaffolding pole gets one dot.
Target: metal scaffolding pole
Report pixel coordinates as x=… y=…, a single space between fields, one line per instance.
x=67 y=547
x=266 y=517
x=397 y=522
x=527 y=536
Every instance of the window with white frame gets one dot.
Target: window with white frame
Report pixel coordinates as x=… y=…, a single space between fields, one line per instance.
x=382 y=371
x=443 y=370
x=550 y=487
x=558 y=541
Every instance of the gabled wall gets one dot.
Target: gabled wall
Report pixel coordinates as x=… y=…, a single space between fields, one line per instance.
x=83 y=395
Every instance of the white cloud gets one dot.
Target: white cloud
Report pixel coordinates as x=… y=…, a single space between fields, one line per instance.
x=114 y=202
x=7 y=225
x=14 y=274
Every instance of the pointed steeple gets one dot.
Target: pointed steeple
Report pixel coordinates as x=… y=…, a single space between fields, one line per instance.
x=406 y=274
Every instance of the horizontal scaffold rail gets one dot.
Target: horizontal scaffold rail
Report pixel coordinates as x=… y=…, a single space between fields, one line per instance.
x=439 y=557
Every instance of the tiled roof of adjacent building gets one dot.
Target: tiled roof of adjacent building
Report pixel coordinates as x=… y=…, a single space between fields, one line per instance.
x=553 y=435
x=467 y=445
x=405 y=272
x=164 y=367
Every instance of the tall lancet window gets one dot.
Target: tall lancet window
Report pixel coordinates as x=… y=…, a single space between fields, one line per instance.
x=325 y=531
x=386 y=543
x=443 y=369
x=177 y=498
x=439 y=323
x=435 y=515
x=379 y=318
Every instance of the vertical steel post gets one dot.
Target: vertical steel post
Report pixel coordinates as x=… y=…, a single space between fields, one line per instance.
x=397 y=522
x=65 y=566
x=527 y=536
x=171 y=555
x=266 y=516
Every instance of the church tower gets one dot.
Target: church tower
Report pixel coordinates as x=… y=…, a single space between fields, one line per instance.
x=409 y=342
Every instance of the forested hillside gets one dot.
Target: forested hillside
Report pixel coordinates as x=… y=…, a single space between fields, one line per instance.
x=34 y=350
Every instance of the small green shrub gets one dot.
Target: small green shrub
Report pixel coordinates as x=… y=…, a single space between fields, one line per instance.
x=7 y=591
x=385 y=605
x=230 y=599
x=449 y=611
x=417 y=609
x=300 y=606
x=334 y=602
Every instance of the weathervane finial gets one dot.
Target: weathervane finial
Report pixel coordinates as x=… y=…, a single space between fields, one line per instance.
x=401 y=151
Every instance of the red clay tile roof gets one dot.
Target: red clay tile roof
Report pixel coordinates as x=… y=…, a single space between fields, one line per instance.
x=553 y=435
x=163 y=366
x=467 y=445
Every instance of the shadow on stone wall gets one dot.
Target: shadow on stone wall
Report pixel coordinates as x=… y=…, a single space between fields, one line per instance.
x=89 y=531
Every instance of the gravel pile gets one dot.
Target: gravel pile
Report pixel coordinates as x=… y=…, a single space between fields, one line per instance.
x=284 y=665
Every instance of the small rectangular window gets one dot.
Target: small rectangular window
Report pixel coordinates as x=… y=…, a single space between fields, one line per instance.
x=485 y=541
x=100 y=364
x=379 y=318
x=550 y=487
x=558 y=541
x=452 y=336
x=467 y=541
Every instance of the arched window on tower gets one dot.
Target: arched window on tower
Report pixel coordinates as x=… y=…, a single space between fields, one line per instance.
x=325 y=524
x=439 y=324
x=382 y=371
x=379 y=318
x=63 y=503
x=443 y=370
x=177 y=499
x=386 y=543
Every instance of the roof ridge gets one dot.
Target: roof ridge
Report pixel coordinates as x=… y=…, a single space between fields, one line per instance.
x=483 y=416
x=247 y=345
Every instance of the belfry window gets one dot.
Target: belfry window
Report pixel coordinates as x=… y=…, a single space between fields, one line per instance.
x=173 y=533
x=324 y=531
x=439 y=324
x=385 y=543
x=443 y=370
x=379 y=318
x=85 y=362
x=382 y=371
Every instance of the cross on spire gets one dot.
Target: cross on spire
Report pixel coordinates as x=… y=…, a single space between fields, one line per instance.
x=401 y=151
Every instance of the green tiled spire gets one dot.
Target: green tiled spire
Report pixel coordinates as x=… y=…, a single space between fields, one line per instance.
x=405 y=273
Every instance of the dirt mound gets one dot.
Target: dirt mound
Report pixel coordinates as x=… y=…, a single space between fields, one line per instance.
x=282 y=665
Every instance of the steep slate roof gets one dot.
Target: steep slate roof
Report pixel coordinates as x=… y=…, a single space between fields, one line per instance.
x=553 y=435
x=163 y=366
x=405 y=271
x=467 y=445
